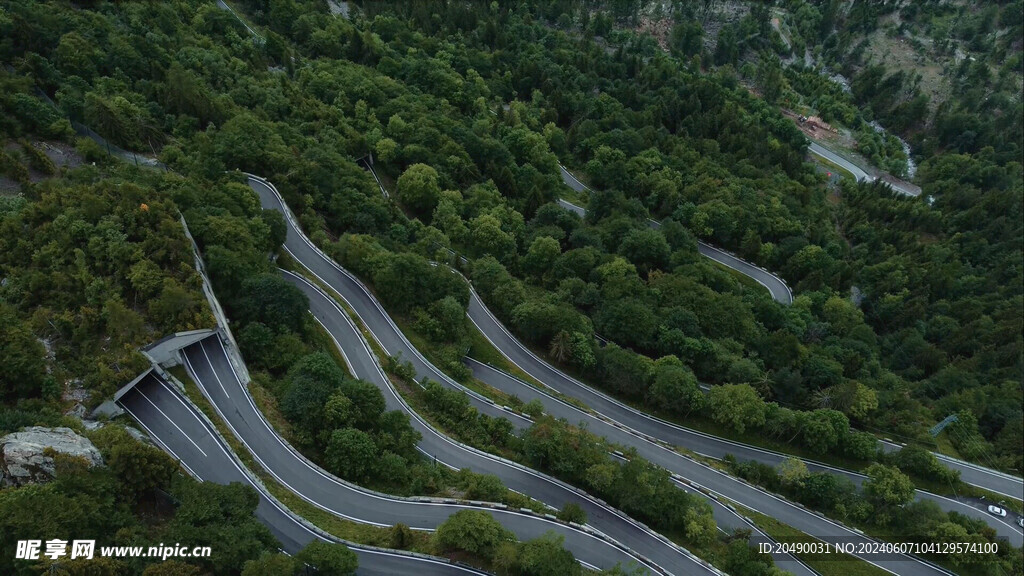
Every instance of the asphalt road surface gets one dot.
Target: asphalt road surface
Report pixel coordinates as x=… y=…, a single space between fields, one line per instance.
x=178 y=429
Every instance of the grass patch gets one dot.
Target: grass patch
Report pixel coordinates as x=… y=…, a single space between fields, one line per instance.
x=480 y=348
x=944 y=446
x=266 y=401
x=348 y=530
x=574 y=197
x=835 y=168
x=741 y=278
x=322 y=341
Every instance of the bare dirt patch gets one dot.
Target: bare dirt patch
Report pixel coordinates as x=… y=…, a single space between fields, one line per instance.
x=899 y=53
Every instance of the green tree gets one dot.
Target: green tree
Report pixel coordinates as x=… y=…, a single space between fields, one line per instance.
x=273 y=301
x=541 y=256
x=404 y=281
x=268 y=564
x=741 y=558
x=329 y=559
x=583 y=351
x=487 y=488
x=700 y=525
x=401 y=536
x=540 y=321
x=887 y=488
x=863 y=401
x=24 y=364
x=646 y=248
x=277 y=228
x=488 y=238
x=623 y=370
x=77 y=55
x=823 y=429
x=311 y=382
x=394 y=433
x=248 y=143
x=727 y=48
x=546 y=556
x=737 y=406
x=387 y=150
x=418 y=188
x=339 y=411
x=922 y=463
x=770 y=77
x=841 y=315
x=367 y=402
x=474 y=531
x=792 y=472
x=674 y=388
x=256 y=342
x=350 y=454
x=450 y=316
x=627 y=321
x=142 y=468
x=861 y=445
x=188 y=94
x=224 y=518
x=686 y=38
x=572 y=512
x=175 y=308
x=561 y=346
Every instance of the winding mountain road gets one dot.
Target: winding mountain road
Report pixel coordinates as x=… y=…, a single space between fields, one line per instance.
x=992 y=480
x=208 y=364
x=364 y=365
x=776 y=286
x=177 y=427
x=673 y=434
x=383 y=329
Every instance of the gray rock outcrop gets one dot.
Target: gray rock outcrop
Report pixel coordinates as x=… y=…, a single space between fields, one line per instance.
x=25 y=458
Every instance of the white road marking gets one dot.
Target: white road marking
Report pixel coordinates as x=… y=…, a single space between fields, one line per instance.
x=173 y=423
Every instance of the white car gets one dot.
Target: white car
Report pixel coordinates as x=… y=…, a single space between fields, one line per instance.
x=997 y=511
x=1020 y=521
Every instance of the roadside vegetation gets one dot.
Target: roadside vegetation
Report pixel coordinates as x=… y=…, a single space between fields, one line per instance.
x=884 y=507
x=907 y=310
x=480 y=182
